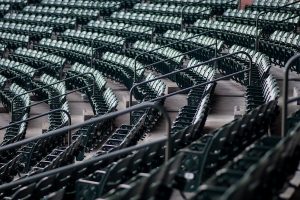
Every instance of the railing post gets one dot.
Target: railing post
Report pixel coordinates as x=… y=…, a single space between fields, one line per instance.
x=285 y=88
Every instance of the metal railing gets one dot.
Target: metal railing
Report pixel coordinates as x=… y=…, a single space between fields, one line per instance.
x=202 y=84
x=46 y=86
x=72 y=167
x=44 y=114
x=285 y=88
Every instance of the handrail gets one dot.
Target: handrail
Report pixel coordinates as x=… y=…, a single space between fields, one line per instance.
x=63 y=80
x=257 y=20
x=72 y=167
x=44 y=114
x=185 y=69
x=167 y=45
x=285 y=88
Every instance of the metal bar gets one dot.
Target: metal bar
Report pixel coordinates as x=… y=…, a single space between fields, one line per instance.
x=185 y=69
x=88 y=162
x=36 y=89
x=44 y=114
x=285 y=88
x=167 y=45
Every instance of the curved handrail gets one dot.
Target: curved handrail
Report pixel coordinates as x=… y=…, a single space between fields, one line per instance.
x=285 y=88
x=185 y=69
x=44 y=114
x=46 y=86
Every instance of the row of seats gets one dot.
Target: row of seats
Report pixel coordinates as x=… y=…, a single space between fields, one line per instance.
x=19 y=102
x=2 y=48
x=14 y=40
x=121 y=29
x=264 y=87
x=4 y=8
x=160 y=22
x=162 y=53
x=268 y=21
x=231 y=33
x=260 y=172
x=193 y=43
x=189 y=13
x=15 y=4
x=79 y=13
x=33 y=31
x=94 y=39
x=59 y=23
x=196 y=163
x=280 y=47
x=105 y=7
x=22 y=74
x=72 y=51
x=38 y=59
x=106 y=178
x=278 y=5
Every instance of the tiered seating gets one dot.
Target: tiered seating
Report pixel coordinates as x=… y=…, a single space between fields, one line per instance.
x=163 y=53
x=280 y=47
x=2 y=81
x=264 y=87
x=190 y=13
x=33 y=31
x=38 y=59
x=121 y=68
x=4 y=8
x=14 y=40
x=22 y=74
x=121 y=29
x=268 y=21
x=79 y=13
x=94 y=39
x=104 y=7
x=261 y=167
x=160 y=22
x=193 y=43
x=7 y=96
x=218 y=5
x=16 y=4
x=59 y=23
x=2 y=48
x=72 y=51
x=231 y=33
x=200 y=160
x=275 y=5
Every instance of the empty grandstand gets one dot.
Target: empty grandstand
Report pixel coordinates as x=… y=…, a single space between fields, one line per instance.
x=150 y=99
